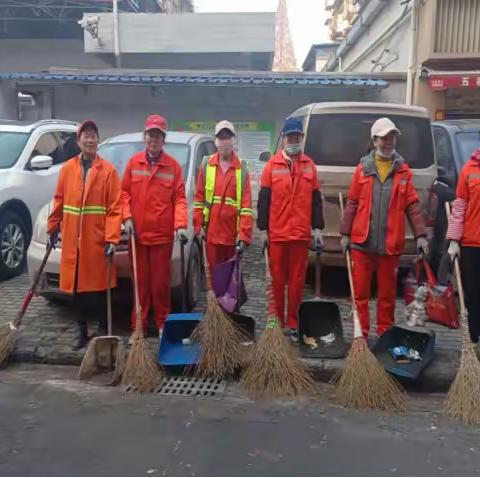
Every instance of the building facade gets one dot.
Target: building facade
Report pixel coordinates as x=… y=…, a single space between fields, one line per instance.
x=435 y=43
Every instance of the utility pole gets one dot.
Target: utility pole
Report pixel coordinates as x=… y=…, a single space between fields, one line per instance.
x=412 y=60
x=116 y=35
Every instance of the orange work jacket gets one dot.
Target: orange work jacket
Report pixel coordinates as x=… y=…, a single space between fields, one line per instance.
x=154 y=198
x=403 y=195
x=225 y=220
x=90 y=215
x=468 y=189
x=290 y=217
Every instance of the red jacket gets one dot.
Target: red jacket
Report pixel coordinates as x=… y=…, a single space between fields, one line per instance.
x=222 y=224
x=468 y=189
x=290 y=197
x=402 y=197
x=154 y=198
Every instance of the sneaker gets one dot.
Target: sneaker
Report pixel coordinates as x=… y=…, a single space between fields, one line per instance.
x=294 y=336
x=130 y=340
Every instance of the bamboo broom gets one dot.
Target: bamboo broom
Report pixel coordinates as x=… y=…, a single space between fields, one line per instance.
x=463 y=398
x=142 y=373
x=274 y=369
x=220 y=339
x=363 y=382
x=9 y=331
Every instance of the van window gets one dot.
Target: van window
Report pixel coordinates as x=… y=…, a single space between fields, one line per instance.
x=342 y=139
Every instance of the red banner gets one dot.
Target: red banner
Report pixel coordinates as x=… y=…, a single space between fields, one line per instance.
x=442 y=82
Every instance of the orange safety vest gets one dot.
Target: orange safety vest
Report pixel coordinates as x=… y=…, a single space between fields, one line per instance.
x=223 y=202
x=90 y=215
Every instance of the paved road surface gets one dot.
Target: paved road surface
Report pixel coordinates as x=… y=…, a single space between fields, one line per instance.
x=52 y=425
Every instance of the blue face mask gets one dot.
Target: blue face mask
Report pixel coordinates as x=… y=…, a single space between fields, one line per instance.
x=293 y=149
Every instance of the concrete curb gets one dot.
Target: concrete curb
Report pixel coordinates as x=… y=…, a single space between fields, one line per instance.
x=437 y=377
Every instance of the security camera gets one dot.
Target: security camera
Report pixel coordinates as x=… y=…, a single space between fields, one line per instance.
x=90 y=24
x=90 y=21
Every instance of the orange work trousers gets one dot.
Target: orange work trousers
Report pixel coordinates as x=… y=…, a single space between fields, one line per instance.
x=154 y=270
x=288 y=265
x=386 y=267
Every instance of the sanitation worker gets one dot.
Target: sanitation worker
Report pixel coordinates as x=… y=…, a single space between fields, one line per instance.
x=87 y=209
x=223 y=200
x=154 y=211
x=373 y=227
x=289 y=216
x=464 y=236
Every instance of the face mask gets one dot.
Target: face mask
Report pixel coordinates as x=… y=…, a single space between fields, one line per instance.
x=293 y=149
x=224 y=146
x=384 y=154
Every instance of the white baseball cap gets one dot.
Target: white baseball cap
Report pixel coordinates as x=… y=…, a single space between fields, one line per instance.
x=382 y=127
x=224 y=125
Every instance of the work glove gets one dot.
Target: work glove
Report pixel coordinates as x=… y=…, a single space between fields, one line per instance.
x=241 y=246
x=264 y=238
x=182 y=236
x=422 y=246
x=317 y=240
x=109 y=249
x=129 y=228
x=52 y=239
x=345 y=242
x=454 y=250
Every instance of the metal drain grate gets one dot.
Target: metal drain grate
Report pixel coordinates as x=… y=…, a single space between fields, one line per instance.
x=192 y=387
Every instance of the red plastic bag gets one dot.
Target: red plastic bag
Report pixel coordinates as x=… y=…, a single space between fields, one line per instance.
x=441 y=303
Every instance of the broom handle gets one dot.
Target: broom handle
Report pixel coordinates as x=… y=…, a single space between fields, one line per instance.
x=357 y=328
x=138 y=307
x=31 y=291
x=109 y=294
x=458 y=275
x=207 y=266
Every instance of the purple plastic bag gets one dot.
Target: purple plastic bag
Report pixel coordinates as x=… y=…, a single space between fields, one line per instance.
x=225 y=285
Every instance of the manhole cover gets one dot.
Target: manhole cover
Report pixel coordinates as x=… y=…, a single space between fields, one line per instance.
x=192 y=387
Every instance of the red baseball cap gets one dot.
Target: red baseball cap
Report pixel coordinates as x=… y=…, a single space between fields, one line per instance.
x=156 y=122
x=88 y=124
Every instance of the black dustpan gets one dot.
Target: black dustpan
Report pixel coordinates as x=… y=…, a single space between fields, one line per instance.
x=320 y=324
x=419 y=338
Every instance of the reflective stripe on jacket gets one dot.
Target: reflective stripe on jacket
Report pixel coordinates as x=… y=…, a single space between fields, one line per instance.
x=90 y=215
x=223 y=202
x=154 y=198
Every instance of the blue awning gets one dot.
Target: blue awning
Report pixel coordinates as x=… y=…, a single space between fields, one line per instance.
x=290 y=80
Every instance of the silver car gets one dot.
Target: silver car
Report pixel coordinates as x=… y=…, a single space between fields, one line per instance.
x=189 y=150
x=31 y=155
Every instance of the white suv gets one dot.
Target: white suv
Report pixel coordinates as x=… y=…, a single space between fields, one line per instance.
x=31 y=156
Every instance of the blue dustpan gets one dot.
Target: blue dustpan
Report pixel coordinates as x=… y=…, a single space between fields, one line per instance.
x=176 y=351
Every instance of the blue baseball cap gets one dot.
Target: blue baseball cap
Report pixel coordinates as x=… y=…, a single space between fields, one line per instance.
x=293 y=125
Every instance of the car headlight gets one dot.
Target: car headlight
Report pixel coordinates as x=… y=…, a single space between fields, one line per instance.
x=40 y=228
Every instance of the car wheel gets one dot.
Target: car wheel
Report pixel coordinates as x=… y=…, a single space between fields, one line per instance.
x=195 y=276
x=13 y=245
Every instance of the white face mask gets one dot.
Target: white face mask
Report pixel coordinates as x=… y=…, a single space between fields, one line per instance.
x=293 y=149
x=383 y=154
x=225 y=146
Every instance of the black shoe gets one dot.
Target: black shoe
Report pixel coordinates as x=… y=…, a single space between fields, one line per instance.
x=81 y=339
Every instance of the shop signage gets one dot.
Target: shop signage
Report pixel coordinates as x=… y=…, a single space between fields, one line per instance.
x=443 y=82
